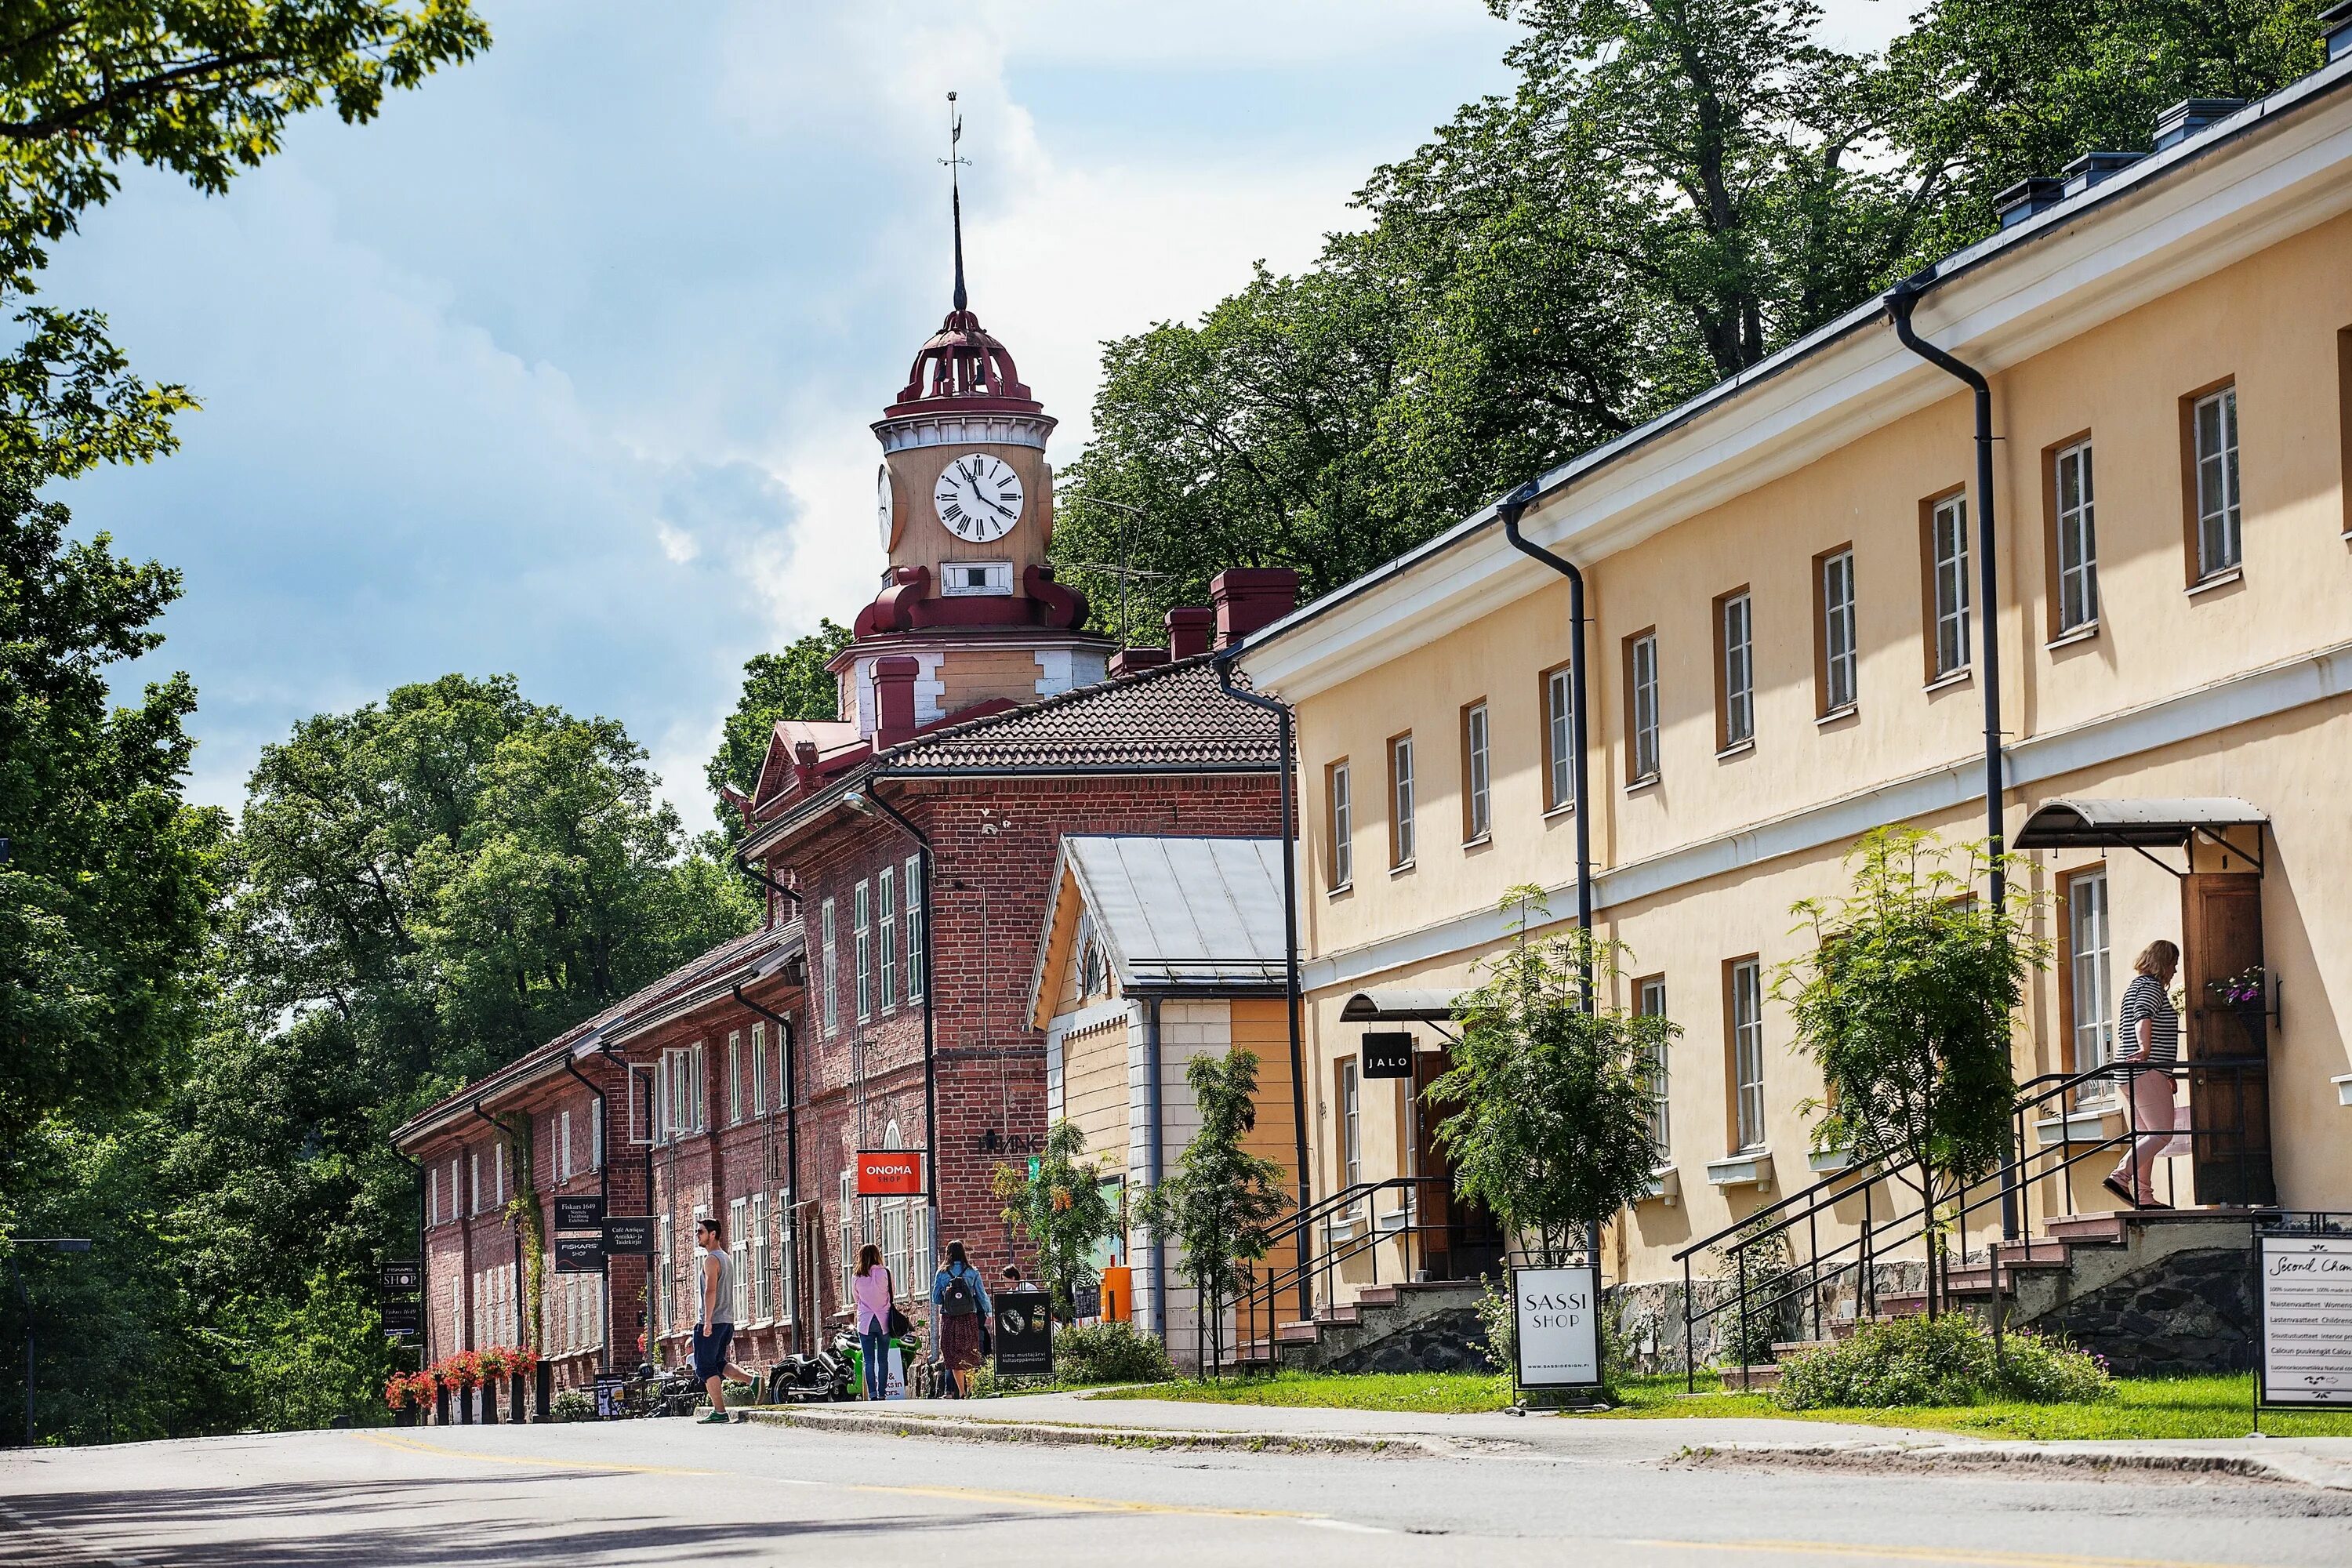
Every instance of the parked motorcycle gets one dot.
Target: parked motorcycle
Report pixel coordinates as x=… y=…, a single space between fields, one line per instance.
x=819 y=1377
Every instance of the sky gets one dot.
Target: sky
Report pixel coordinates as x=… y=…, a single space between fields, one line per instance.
x=565 y=366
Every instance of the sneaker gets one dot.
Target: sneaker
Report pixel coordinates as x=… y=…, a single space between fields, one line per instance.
x=712 y=1418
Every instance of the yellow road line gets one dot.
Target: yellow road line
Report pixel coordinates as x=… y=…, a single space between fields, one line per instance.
x=1963 y=1554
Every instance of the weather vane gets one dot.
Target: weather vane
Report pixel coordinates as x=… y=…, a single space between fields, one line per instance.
x=955 y=160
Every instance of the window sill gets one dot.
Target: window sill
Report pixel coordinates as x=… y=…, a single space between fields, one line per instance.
x=2082 y=632
x=1960 y=677
x=1341 y=891
x=1646 y=781
x=1838 y=715
x=2218 y=580
x=1401 y=867
x=1565 y=809
x=1737 y=749
x=1478 y=841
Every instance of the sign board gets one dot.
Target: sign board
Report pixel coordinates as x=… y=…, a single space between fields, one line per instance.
x=399 y=1278
x=889 y=1173
x=405 y=1316
x=630 y=1236
x=1024 y=1333
x=2306 y=1311
x=579 y=1213
x=612 y=1390
x=1559 y=1327
x=1388 y=1054
x=580 y=1255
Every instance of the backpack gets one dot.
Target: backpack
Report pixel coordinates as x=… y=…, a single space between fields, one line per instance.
x=957 y=1298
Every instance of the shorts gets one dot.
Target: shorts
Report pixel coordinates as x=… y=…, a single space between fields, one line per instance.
x=710 y=1351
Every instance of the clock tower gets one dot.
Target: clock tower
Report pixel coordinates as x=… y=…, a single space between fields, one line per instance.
x=963 y=509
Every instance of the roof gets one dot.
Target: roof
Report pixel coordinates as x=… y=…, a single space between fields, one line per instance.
x=2080 y=824
x=738 y=960
x=1177 y=914
x=1399 y=1006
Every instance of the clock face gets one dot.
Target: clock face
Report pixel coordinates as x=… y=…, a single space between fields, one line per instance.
x=885 y=504
x=978 y=498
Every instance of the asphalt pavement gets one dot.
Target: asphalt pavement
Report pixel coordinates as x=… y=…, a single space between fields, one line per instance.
x=674 y=1492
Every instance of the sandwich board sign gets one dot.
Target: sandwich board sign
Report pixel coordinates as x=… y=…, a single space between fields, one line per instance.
x=2305 y=1296
x=1556 y=1314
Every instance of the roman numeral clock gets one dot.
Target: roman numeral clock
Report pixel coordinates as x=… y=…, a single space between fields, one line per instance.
x=977 y=497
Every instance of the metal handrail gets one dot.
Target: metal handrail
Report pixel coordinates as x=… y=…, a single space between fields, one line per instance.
x=1255 y=1307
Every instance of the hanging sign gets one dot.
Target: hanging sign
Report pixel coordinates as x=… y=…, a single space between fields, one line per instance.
x=580 y=1213
x=1389 y=1054
x=1557 y=1319
x=889 y=1173
x=2306 y=1311
x=399 y=1278
x=402 y=1317
x=580 y=1255
x=631 y=1235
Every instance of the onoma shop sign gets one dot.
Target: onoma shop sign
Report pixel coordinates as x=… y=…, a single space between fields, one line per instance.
x=889 y=1173
x=1559 y=1327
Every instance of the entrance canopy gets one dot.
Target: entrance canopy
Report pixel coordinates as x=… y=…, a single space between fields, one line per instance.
x=2132 y=823
x=1399 y=1008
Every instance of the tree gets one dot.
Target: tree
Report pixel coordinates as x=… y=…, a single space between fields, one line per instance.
x=1058 y=1207
x=1218 y=1204
x=794 y=684
x=1904 y=1005
x=1553 y=1133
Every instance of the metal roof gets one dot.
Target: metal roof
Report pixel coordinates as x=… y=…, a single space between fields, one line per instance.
x=1181 y=914
x=2122 y=823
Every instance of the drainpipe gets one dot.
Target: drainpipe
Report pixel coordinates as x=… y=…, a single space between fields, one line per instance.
x=603 y=1188
x=1281 y=711
x=743 y=865
x=1152 y=1167
x=791 y=1216
x=1510 y=508
x=1899 y=302
x=858 y=801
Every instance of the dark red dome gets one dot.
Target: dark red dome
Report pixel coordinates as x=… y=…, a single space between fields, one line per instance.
x=960 y=361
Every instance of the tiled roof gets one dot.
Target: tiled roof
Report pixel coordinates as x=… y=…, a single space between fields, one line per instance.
x=1173 y=717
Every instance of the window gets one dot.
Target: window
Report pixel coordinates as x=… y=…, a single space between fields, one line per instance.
x=1945 y=553
x=1351 y=1125
x=831 y=983
x=1559 y=738
x=1642 y=706
x=787 y=1264
x=1735 y=670
x=433 y=1196
x=1650 y=1002
x=734 y=1076
x=861 y=927
x=665 y=1276
x=2090 y=999
x=1478 y=814
x=1835 y=659
x=1745 y=982
x=2214 y=484
x=848 y=1233
x=738 y=1231
x=699 y=1086
x=755 y=1242
x=564 y=1146
x=759 y=1070
x=913 y=884
x=474 y=1182
x=596 y=1134
x=886 y=921
x=1090 y=962
x=1401 y=834
x=2074 y=543
x=1340 y=823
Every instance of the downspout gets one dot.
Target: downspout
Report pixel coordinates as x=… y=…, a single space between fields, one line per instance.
x=508 y=1133
x=930 y=1015
x=1899 y=302
x=743 y=865
x=604 y=1187
x=1152 y=1162
x=792 y=1218
x=1224 y=664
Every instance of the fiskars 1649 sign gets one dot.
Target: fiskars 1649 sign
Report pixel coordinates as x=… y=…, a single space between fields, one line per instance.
x=1557 y=1319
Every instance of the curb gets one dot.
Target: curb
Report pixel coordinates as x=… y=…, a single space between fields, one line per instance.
x=969 y=1430
x=1933 y=1457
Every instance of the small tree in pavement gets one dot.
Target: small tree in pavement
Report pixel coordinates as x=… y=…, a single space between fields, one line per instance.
x=1057 y=1205
x=1218 y=1204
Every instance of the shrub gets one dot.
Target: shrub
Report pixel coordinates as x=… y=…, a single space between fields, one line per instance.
x=574 y=1405
x=1110 y=1353
x=1948 y=1360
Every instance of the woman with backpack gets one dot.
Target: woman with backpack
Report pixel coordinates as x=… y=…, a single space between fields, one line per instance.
x=961 y=1302
x=871 y=1293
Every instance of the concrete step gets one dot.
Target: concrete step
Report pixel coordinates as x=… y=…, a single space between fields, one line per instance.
x=1347 y=1314
x=1756 y=1379
x=2088 y=1230
x=1296 y=1334
x=1376 y=1296
x=1783 y=1349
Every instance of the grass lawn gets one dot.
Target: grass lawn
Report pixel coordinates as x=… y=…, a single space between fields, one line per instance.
x=2142 y=1407
x=1421 y=1393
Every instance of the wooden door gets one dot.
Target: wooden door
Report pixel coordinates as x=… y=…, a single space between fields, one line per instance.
x=2228 y=1048
x=1459 y=1238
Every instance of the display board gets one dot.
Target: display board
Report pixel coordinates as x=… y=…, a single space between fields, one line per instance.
x=579 y=1254
x=580 y=1213
x=1024 y=1333
x=2304 y=1284
x=1558 y=1321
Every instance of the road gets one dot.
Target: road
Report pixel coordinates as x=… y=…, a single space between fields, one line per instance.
x=665 y=1491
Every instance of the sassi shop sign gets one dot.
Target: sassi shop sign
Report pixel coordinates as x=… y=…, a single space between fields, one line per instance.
x=1557 y=1316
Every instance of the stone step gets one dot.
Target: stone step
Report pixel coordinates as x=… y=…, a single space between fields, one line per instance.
x=1756 y=1378
x=1296 y=1334
x=2088 y=1230
x=1376 y=1296
x=1783 y=1349
x=1347 y=1314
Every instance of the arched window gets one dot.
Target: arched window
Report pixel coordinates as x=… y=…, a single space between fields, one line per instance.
x=895 y=1224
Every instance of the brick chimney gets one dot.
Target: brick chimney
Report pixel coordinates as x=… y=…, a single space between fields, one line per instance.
x=1129 y=661
x=1248 y=597
x=1188 y=632
x=894 y=698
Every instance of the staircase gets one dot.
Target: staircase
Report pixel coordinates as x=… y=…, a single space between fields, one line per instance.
x=1420 y=1326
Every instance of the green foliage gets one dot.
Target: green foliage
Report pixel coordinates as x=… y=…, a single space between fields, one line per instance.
x=1767 y=1268
x=1904 y=1005
x=1110 y=1353
x=794 y=684
x=1498 y=1316
x=574 y=1404
x=1553 y=1133
x=1948 y=1360
x=1217 y=1206
x=311 y=1359
x=1061 y=1211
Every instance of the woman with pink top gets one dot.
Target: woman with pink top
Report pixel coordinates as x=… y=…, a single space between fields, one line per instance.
x=871 y=1293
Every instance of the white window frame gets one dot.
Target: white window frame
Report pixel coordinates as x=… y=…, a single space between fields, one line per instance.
x=738 y=1224
x=848 y=1230
x=1559 y=732
x=1651 y=1003
x=911 y=887
x=563 y=1145
x=1478 y=817
x=1947 y=547
x=861 y=937
x=596 y=1132
x=474 y=1183
x=786 y=1264
x=830 y=957
x=432 y=1195
x=1739 y=630
x=1748 y=1053
x=1644 y=760
x=1401 y=789
x=1840 y=658
x=2090 y=963
x=698 y=1075
x=2077 y=488
x=760 y=1070
x=1341 y=807
x=886 y=924
x=755 y=1244
x=2220 y=545
x=734 y=1076
x=1352 y=1123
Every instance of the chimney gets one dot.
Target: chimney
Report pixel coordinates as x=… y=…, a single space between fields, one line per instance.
x=1128 y=661
x=2192 y=115
x=1188 y=632
x=2096 y=168
x=1248 y=597
x=894 y=699
x=2336 y=26
x=2025 y=198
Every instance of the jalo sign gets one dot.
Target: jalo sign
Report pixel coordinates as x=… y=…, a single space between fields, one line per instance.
x=889 y=1173
x=1557 y=1316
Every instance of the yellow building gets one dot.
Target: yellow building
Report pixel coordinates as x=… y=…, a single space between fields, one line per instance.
x=1786 y=646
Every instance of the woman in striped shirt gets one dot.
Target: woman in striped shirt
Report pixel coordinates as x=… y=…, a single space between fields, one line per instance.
x=2149 y=1027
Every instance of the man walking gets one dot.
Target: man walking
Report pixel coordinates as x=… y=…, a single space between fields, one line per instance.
x=714 y=1329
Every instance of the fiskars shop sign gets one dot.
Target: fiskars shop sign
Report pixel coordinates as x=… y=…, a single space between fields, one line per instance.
x=889 y=1173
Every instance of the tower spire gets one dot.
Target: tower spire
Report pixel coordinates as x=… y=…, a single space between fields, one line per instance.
x=954 y=161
